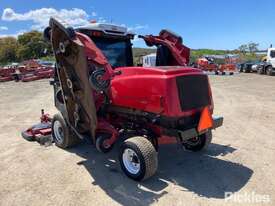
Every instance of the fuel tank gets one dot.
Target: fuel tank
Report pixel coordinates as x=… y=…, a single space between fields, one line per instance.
x=172 y=91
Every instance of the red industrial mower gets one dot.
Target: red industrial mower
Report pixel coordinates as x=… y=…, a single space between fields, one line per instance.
x=101 y=95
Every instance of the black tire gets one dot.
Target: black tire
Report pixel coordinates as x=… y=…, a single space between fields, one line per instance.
x=47 y=34
x=223 y=73
x=216 y=73
x=260 y=70
x=145 y=156
x=199 y=143
x=27 y=136
x=269 y=71
x=231 y=73
x=70 y=32
x=99 y=143
x=246 y=70
x=67 y=138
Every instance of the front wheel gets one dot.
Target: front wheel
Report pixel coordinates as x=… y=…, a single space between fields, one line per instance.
x=138 y=158
x=62 y=135
x=198 y=143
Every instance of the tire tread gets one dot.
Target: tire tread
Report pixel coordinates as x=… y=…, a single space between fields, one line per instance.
x=149 y=154
x=70 y=138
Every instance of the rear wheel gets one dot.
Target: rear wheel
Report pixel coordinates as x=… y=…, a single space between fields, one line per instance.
x=269 y=70
x=61 y=133
x=199 y=143
x=138 y=158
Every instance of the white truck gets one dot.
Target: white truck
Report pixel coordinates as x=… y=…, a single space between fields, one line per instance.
x=149 y=60
x=268 y=67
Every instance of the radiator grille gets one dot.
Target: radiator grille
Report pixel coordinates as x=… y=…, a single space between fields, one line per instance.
x=193 y=91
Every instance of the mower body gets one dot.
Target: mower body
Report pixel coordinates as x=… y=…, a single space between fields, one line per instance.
x=102 y=95
x=161 y=90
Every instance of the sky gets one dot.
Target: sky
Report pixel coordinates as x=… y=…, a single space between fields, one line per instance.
x=213 y=24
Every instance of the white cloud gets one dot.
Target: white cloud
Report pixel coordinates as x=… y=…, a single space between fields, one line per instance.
x=138 y=27
x=101 y=20
x=40 y=17
x=136 y=39
x=74 y=17
x=3 y=28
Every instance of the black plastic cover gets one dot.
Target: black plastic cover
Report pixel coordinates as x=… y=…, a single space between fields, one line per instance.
x=193 y=91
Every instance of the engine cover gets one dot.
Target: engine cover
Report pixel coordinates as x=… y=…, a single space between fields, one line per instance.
x=168 y=91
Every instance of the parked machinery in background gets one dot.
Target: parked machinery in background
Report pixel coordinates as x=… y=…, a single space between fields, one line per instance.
x=268 y=63
x=219 y=64
x=207 y=64
x=27 y=71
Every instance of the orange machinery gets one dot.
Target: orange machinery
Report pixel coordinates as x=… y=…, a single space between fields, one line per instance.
x=206 y=64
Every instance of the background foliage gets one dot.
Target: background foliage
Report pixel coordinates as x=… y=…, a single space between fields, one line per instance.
x=32 y=45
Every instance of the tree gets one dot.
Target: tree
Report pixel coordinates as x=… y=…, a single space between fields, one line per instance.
x=243 y=48
x=8 y=47
x=252 y=47
x=32 y=45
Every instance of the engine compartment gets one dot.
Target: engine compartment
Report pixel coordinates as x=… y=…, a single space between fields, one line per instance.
x=158 y=90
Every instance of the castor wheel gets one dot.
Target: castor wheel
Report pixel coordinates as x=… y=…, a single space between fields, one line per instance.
x=101 y=143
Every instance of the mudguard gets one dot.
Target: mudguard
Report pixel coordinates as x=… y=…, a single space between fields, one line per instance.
x=73 y=74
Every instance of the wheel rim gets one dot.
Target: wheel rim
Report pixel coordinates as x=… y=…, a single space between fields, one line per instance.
x=131 y=161
x=106 y=144
x=194 y=141
x=58 y=131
